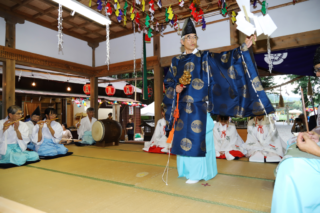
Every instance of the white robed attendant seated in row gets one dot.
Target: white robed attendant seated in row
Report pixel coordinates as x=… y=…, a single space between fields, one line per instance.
x=227 y=141
x=34 y=119
x=263 y=141
x=85 y=127
x=158 y=142
x=297 y=177
x=47 y=135
x=14 y=139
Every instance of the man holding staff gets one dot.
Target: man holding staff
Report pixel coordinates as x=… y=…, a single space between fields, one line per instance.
x=222 y=84
x=14 y=139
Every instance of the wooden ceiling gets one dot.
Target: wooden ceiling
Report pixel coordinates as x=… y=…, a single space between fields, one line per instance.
x=45 y=13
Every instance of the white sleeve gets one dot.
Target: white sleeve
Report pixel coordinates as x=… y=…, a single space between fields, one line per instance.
x=3 y=144
x=57 y=132
x=24 y=130
x=35 y=135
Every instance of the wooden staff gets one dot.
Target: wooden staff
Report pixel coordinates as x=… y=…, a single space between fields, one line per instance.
x=8 y=124
x=304 y=110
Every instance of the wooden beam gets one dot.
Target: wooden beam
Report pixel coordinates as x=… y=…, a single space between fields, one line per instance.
x=45 y=62
x=123 y=79
x=124 y=67
x=288 y=41
x=49 y=10
x=158 y=91
x=94 y=95
x=20 y=4
x=93 y=45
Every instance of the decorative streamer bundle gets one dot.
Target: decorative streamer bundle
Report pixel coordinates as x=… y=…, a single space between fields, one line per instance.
x=107 y=40
x=60 y=36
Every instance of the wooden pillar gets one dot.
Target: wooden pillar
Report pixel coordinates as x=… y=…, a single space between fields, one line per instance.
x=94 y=95
x=94 y=81
x=116 y=112
x=234 y=33
x=9 y=66
x=158 y=91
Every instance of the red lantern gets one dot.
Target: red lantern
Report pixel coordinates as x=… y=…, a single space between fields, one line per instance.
x=86 y=89
x=110 y=90
x=128 y=89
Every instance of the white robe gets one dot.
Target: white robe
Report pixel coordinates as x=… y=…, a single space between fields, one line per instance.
x=47 y=134
x=159 y=138
x=30 y=128
x=227 y=139
x=264 y=137
x=85 y=125
x=10 y=136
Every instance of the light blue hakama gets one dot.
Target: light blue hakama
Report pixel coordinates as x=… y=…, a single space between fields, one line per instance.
x=16 y=156
x=198 y=168
x=49 y=148
x=297 y=187
x=87 y=138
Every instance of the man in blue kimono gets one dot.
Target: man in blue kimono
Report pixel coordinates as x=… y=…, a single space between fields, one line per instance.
x=225 y=84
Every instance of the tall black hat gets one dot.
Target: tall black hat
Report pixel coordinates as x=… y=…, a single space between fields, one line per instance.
x=316 y=58
x=36 y=111
x=188 y=27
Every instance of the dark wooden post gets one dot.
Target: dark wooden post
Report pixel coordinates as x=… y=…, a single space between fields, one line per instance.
x=158 y=80
x=94 y=81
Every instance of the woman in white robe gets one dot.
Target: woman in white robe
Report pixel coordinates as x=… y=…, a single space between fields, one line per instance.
x=47 y=136
x=14 y=139
x=158 y=142
x=263 y=141
x=228 y=143
x=85 y=127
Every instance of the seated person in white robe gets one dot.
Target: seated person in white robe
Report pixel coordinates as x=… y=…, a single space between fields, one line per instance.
x=14 y=139
x=47 y=136
x=158 y=142
x=263 y=141
x=85 y=127
x=66 y=134
x=35 y=117
x=227 y=141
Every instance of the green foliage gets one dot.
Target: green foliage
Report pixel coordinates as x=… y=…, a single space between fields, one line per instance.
x=267 y=81
x=303 y=82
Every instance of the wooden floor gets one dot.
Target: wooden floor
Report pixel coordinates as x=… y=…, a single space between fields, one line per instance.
x=126 y=179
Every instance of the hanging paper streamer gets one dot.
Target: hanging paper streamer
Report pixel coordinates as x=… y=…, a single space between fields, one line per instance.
x=90 y=3
x=175 y=22
x=170 y=12
x=125 y=8
x=60 y=35
x=159 y=4
x=150 y=33
x=125 y=21
x=137 y=18
x=143 y=5
x=132 y=16
x=181 y=3
x=157 y=26
x=204 y=25
x=263 y=8
x=151 y=26
x=196 y=3
x=147 y=21
x=224 y=9
x=161 y=30
x=151 y=8
x=151 y=17
x=108 y=9
x=120 y=16
x=167 y=15
x=99 y=3
x=255 y=3
x=117 y=13
x=233 y=18
x=137 y=2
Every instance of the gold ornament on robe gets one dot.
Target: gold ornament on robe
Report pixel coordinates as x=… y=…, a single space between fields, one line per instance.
x=185 y=78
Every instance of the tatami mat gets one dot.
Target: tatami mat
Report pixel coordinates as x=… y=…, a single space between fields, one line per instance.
x=112 y=180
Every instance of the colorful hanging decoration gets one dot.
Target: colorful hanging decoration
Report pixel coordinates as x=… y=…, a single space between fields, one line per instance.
x=181 y=3
x=255 y=3
x=196 y=3
x=204 y=24
x=132 y=13
x=125 y=21
x=108 y=9
x=143 y=5
x=110 y=90
x=224 y=9
x=125 y=8
x=151 y=8
x=167 y=15
x=233 y=18
x=151 y=17
x=150 y=33
x=128 y=89
x=90 y=2
x=159 y=4
x=147 y=21
x=99 y=3
x=60 y=35
x=137 y=2
x=170 y=12
x=264 y=8
x=86 y=89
